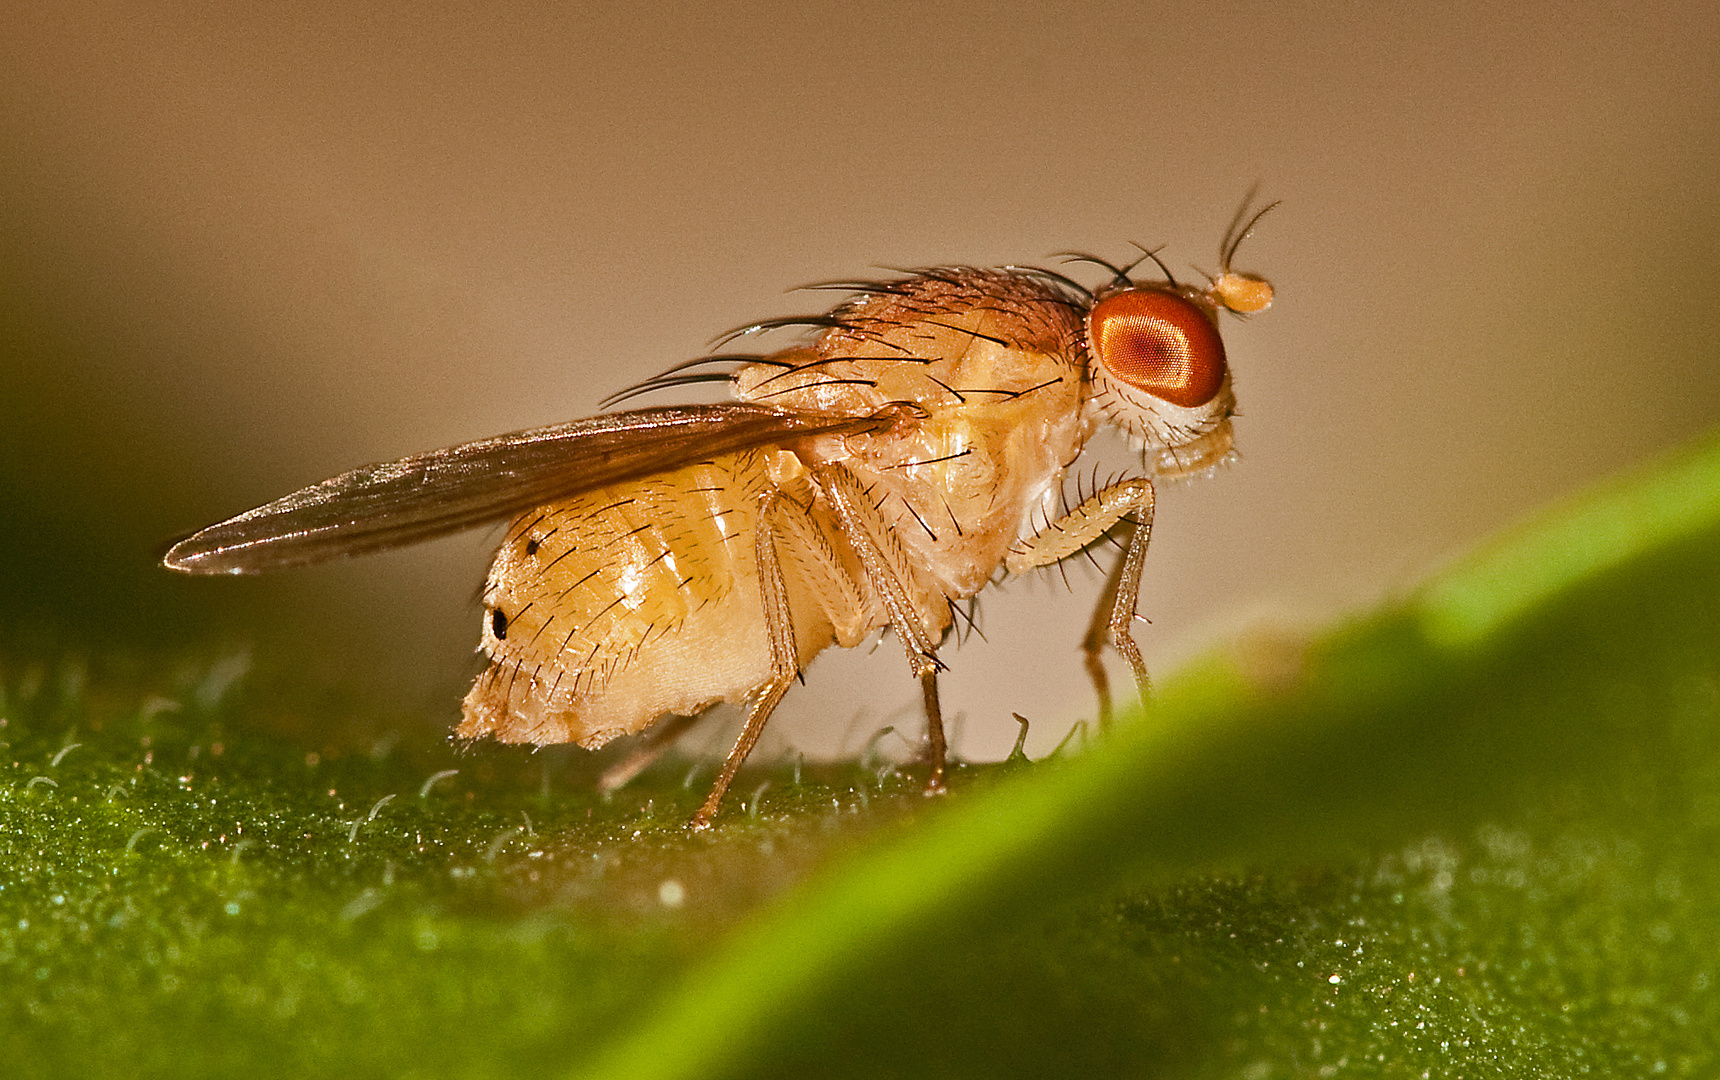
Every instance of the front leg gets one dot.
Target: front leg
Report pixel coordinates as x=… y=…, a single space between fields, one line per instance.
x=1116 y=608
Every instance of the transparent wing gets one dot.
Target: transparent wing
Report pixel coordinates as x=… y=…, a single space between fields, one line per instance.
x=444 y=491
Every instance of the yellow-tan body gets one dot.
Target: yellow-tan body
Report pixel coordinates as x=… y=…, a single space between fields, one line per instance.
x=642 y=600
x=630 y=603
x=908 y=453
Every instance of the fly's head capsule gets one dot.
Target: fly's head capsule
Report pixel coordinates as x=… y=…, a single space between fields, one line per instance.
x=1158 y=371
x=1156 y=360
x=1158 y=345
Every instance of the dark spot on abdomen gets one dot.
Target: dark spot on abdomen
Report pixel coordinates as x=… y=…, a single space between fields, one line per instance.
x=499 y=624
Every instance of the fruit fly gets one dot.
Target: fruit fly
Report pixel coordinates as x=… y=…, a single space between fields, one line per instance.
x=908 y=451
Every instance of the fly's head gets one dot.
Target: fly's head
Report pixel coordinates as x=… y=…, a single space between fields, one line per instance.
x=1156 y=362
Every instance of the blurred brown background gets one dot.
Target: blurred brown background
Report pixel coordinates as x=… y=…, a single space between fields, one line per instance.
x=246 y=246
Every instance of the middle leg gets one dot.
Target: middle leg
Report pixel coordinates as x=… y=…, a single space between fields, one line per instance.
x=887 y=572
x=773 y=591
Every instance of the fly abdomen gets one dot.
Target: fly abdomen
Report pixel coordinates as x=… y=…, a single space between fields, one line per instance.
x=630 y=603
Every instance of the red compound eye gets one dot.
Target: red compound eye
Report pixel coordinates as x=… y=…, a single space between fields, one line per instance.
x=1159 y=342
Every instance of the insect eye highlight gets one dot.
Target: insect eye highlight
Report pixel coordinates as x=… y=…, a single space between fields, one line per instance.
x=1160 y=342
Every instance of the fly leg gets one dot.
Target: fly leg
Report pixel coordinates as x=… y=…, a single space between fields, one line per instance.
x=936 y=750
x=654 y=745
x=1115 y=611
x=1093 y=642
x=886 y=569
x=780 y=627
x=1111 y=623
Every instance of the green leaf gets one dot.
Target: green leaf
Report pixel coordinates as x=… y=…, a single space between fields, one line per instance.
x=1474 y=833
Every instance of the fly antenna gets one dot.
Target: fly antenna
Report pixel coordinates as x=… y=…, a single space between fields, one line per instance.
x=1238 y=231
